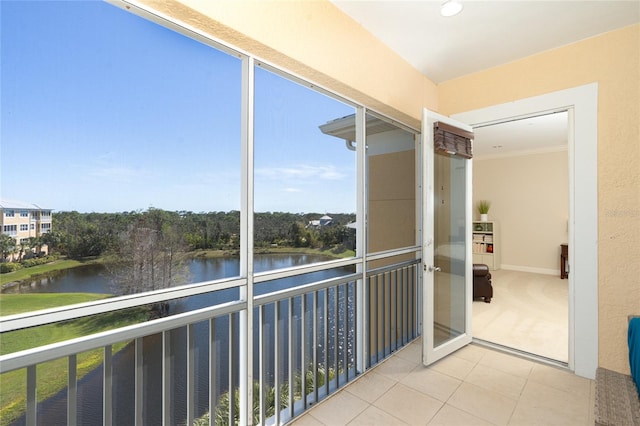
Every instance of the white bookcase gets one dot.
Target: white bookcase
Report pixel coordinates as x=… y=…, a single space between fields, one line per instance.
x=486 y=245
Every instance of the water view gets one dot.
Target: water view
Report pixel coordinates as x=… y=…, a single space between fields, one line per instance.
x=96 y=279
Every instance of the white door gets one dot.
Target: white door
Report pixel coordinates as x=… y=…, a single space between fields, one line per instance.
x=446 y=244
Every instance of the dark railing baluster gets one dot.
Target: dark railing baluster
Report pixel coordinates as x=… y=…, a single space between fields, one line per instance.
x=107 y=398
x=32 y=401
x=336 y=322
x=314 y=353
x=325 y=340
x=191 y=361
x=303 y=349
x=72 y=391
x=139 y=382
x=291 y=379
x=276 y=360
x=233 y=365
x=261 y=361
x=213 y=371
x=166 y=378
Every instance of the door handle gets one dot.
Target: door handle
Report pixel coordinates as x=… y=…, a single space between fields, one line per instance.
x=434 y=269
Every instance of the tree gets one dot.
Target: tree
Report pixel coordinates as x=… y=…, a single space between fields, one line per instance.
x=150 y=255
x=8 y=246
x=52 y=239
x=23 y=247
x=33 y=242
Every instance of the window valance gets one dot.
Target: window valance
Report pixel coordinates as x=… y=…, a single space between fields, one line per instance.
x=452 y=140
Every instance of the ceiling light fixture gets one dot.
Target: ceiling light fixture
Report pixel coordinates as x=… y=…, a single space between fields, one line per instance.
x=450 y=8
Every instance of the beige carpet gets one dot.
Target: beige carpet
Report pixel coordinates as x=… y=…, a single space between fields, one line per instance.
x=528 y=312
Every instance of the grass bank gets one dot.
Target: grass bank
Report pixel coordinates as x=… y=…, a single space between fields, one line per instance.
x=331 y=252
x=58 y=265
x=34 y=271
x=52 y=376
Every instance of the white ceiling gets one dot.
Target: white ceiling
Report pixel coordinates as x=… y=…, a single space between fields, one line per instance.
x=487 y=34
x=534 y=135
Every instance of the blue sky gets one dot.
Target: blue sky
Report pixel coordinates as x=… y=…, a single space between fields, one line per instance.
x=105 y=111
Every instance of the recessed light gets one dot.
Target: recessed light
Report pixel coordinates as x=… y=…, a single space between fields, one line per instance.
x=497 y=146
x=450 y=8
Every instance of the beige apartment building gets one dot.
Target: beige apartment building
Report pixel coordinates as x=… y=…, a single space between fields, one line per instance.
x=22 y=221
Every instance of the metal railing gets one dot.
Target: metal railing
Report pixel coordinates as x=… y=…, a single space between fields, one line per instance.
x=188 y=368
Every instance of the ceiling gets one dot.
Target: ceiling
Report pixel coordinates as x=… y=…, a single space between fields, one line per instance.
x=533 y=135
x=487 y=34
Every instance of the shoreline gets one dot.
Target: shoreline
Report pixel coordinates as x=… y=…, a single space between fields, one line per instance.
x=62 y=264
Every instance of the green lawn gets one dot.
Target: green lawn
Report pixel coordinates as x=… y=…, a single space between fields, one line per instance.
x=306 y=250
x=52 y=376
x=16 y=303
x=276 y=250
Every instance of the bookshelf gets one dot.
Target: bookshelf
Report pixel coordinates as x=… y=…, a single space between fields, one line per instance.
x=485 y=244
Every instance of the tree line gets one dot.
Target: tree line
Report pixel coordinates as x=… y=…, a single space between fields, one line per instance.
x=80 y=235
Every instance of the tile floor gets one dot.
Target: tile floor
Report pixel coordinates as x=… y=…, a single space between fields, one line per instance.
x=528 y=312
x=474 y=386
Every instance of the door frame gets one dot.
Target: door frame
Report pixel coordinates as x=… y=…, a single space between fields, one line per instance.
x=582 y=104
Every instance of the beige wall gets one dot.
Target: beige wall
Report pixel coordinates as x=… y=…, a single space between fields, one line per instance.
x=613 y=61
x=314 y=40
x=530 y=202
x=392 y=201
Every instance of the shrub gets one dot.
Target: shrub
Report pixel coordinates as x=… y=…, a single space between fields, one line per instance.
x=28 y=263
x=221 y=413
x=9 y=267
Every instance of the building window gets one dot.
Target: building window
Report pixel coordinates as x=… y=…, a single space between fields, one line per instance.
x=45 y=213
x=9 y=213
x=24 y=227
x=45 y=227
x=33 y=226
x=24 y=213
x=10 y=229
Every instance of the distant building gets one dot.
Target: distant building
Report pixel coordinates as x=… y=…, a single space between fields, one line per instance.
x=320 y=223
x=23 y=221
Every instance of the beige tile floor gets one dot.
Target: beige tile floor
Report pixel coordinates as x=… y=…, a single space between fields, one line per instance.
x=529 y=312
x=474 y=386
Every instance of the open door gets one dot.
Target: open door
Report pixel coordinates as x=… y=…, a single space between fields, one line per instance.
x=446 y=238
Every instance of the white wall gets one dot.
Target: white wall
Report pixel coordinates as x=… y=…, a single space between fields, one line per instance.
x=530 y=201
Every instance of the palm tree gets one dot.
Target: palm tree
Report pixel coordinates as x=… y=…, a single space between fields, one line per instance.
x=7 y=246
x=52 y=239
x=36 y=242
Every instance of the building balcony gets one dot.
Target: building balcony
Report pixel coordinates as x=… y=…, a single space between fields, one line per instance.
x=289 y=348
x=328 y=352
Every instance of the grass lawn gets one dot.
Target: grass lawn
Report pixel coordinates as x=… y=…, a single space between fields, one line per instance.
x=306 y=250
x=24 y=302
x=52 y=376
x=277 y=250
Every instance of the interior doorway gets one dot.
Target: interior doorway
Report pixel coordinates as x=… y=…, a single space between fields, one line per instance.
x=521 y=167
x=582 y=104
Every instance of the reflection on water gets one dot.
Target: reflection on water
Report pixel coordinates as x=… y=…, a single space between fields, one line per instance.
x=91 y=278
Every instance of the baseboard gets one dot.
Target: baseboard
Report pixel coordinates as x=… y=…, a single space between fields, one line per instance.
x=542 y=271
